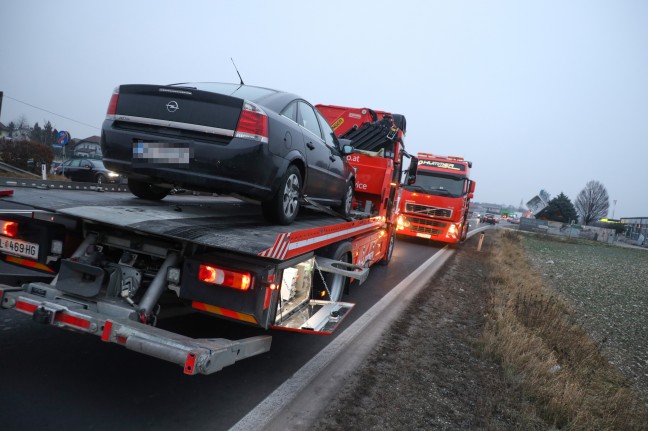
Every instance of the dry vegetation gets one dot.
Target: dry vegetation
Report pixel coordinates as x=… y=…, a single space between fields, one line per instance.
x=493 y=344
x=532 y=331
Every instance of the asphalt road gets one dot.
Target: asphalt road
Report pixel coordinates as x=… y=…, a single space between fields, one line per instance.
x=55 y=379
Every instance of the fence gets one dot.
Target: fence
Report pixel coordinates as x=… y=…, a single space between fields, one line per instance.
x=570 y=231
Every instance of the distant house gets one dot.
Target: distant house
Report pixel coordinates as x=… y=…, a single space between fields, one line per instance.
x=4 y=131
x=88 y=147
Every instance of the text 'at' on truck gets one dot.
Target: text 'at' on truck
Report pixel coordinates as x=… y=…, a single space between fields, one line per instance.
x=434 y=204
x=114 y=266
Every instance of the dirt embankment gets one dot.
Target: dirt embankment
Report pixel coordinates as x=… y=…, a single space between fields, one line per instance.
x=432 y=369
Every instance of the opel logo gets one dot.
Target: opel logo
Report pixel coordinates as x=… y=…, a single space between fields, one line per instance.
x=172 y=106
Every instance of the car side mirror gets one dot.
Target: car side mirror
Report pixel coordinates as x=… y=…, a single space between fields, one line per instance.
x=345 y=146
x=470 y=196
x=472 y=186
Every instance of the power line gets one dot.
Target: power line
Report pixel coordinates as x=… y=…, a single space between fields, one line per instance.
x=53 y=113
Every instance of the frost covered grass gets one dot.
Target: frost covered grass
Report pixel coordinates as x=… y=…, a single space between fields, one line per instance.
x=535 y=332
x=607 y=287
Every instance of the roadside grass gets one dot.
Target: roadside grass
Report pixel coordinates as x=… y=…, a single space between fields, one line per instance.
x=533 y=333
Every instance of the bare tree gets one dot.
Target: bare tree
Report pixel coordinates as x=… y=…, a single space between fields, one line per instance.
x=592 y=203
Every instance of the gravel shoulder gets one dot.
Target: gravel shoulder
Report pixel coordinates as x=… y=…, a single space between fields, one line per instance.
x=425 y=373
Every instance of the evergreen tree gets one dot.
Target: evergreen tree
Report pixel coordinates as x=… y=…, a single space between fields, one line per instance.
x=36 y=133
x=560 y=209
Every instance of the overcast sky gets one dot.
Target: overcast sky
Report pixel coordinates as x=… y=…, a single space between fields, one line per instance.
x=537 y=94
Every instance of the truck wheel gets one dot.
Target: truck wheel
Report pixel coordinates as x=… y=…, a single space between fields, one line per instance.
x=335 y=283
x=345 y=206
x=146 y=190
x=390 y=250
x=283 y=207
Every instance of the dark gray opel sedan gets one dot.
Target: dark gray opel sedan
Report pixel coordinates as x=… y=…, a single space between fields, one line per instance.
x=266 y=145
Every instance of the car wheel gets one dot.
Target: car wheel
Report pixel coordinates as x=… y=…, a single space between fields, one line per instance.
x=100 y=179
x=336 y=284
x=345 y=207
x=148 y=191
x=284 y=205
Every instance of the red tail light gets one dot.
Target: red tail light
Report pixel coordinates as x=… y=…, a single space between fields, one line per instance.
x=112 y=106
x=225 y=277
x=8 y=228
x=253 y=123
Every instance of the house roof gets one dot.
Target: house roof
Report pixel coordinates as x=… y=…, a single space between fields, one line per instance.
x=94 y=139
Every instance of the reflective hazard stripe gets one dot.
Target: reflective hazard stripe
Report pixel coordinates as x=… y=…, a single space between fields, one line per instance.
x=294 y=243
x=279 y=249
x=223 y=312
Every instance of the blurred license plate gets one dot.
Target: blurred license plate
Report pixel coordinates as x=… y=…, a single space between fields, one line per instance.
x=18 y=247
x=161 y=152
x=424 y=235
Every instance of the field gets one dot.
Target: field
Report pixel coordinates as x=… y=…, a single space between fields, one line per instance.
x=530 y=333
x=608 y=289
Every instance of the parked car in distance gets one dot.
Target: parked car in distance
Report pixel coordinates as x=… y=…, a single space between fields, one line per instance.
x=266 y=145
x=86 y=170
x=490 y=218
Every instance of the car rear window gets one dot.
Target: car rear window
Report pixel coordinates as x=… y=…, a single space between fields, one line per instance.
x=236 y=90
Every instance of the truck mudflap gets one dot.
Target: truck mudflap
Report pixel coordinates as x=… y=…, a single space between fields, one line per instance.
x=196 y=356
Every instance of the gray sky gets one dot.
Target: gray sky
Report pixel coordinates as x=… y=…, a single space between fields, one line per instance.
x=537 y=94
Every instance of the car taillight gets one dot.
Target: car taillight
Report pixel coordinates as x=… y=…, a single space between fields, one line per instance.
x=224 y=277
x=253 y=123
x=112 y=105
x=8 y=228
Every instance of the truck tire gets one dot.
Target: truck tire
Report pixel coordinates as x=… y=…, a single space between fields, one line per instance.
x=335 y=283
x=347 y=200
x=147 y=191
x=283 y=207
x=390 y=250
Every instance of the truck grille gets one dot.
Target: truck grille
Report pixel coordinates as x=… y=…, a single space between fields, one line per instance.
x=427 y=226
x=428 y=211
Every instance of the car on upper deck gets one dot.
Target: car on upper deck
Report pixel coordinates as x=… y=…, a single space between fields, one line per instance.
x=262 y=144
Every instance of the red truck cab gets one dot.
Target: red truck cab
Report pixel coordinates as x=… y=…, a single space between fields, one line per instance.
x=434 y=204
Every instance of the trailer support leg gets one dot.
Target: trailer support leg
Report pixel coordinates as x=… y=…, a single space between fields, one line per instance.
x=156 y=288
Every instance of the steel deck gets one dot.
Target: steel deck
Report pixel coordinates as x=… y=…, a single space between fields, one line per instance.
x=221 y=222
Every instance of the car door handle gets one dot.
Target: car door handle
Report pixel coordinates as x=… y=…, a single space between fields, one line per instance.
x=310 y=146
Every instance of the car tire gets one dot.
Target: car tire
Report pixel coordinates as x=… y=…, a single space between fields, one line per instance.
x=100 y=179
x=345 y=206
x=147 y=191
x=283 y=207
x=336 y=284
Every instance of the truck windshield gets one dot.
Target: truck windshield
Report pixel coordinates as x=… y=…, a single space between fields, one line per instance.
x=436 y=184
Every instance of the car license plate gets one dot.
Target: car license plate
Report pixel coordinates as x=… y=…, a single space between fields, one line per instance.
x=161 y=152
x=18 y=247
x=424 y=235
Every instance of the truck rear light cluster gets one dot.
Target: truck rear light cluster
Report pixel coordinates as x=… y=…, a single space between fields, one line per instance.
x=225 y=277
x=112 y=105
x=8 y=228
x=253 y=123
